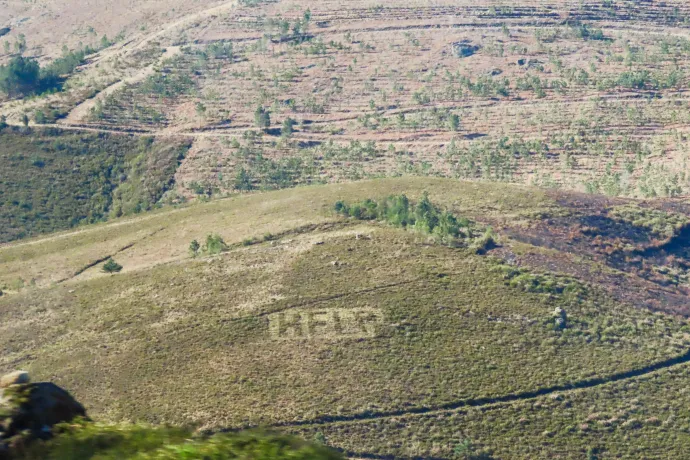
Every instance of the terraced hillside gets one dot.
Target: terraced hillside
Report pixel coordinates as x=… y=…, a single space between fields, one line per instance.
x=543 y=340
x=587 y=96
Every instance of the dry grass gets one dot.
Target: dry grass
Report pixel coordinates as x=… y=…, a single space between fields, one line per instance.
x=182 y=340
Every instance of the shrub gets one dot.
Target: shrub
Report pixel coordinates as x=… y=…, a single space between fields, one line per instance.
x=112 y=267
x=214 y=245
x=40 y=117
x=194 y=248
x=85 y=440
x=541 y=283
x=288 y=127
x=243 y=181
x=20 y=76
x=424 y=217
x=262 y=118
x=485 y=242
x=454 y=122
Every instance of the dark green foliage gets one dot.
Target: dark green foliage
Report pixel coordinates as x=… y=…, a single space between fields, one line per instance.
x=464 y=49
x=220 y=50
x=151 y=169
x=20 y=76
x=243 y=181
x=454 y=122
x=586 y=32
x=23 y=76
x=288 y=127
x=112 y=267
x=85 y=440
x=40 y=117
x=168 y=84
x=194 y=248
x=465 y=450
x=636 y=79
x=280 y=173
x=424 y=218
x=262 y=118
x=52 y=180
x=54 y=73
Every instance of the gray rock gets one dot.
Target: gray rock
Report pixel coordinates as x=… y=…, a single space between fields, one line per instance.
x=14 y=378
x=29 y=411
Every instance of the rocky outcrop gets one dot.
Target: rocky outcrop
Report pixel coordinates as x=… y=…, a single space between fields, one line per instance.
x=14 y=378
x=29 y=411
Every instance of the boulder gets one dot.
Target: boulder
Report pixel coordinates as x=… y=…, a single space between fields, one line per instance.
x=29 y=411
x=14 y=378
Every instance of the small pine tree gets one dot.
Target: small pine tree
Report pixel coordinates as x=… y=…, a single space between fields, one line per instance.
x=262 y=118
x=320 y=438
x=426 y=215
x=112 y=267
x=25 y=120
x=194 y=247
x=243 y=181
x=40 y=117
x=454 y=122
x=3 y=122
x=287 y=129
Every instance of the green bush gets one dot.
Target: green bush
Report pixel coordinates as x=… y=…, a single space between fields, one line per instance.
x=262 y=118
x=214 y=245
x=23 y=76
x=112 y=267
x=40 y=117
x=424 y=217
x=194 y=248
x=542 y=283
x=20 y=76
x=85 y=440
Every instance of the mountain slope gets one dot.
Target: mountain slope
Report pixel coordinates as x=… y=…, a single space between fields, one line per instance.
x=331 y=325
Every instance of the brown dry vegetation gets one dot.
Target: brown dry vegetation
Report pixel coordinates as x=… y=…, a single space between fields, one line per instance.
x=586 y=96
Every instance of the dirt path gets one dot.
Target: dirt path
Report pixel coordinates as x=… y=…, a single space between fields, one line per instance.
x=491 y=401
x=81 y=111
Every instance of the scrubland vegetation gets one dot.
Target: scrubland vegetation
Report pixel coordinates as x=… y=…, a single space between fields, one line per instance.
x=413 y=294
x=82 y=440
x=464 y=352
x=424 y=218
x=53 y=180
x=280 y=95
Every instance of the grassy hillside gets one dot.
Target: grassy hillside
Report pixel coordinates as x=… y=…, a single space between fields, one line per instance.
x=378 y=338
x=52 y=180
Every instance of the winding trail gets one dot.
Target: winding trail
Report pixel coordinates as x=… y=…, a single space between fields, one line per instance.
x=490 y=401
x=81 y=111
